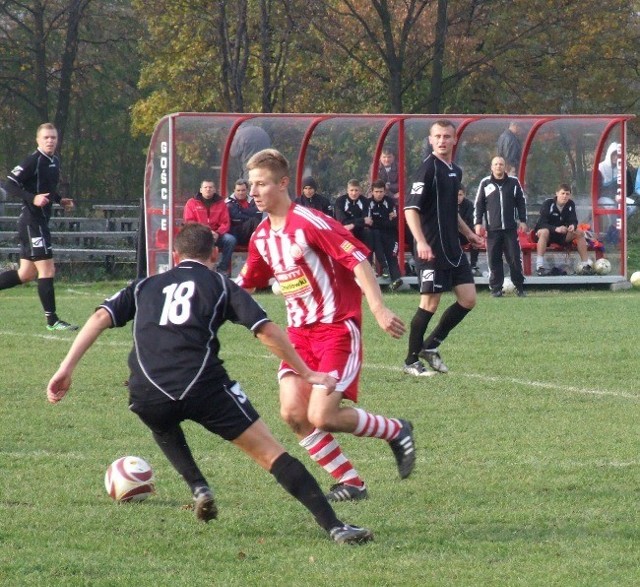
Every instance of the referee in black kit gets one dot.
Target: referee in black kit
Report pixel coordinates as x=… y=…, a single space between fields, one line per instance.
x=35 y=183
x=176 y=373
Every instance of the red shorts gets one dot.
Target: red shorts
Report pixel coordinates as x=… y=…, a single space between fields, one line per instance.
x=330 y=348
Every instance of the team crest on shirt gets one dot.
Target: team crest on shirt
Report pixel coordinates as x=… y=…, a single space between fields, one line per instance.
x=417 y=187
x=296 y=251
x=347 y=247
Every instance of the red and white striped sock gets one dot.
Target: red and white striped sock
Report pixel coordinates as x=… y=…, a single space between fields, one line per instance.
x=325 y=450
x=373 y=426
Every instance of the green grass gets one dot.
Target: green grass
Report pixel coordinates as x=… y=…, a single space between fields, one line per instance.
x=527 y=468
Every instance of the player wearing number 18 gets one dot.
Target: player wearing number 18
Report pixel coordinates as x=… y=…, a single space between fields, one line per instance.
x=177 y=375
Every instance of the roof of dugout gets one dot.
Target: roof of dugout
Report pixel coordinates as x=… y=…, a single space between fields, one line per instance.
x=334 y=148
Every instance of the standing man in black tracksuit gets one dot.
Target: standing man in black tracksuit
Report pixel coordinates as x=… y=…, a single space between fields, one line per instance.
x=384 y=232
x=501 y=204
x=352 y=211
x=35 y=183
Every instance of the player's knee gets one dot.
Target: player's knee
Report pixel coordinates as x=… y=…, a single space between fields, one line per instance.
x=468 y=303
x=323 y=419
x=294 y=416
x=27 y=274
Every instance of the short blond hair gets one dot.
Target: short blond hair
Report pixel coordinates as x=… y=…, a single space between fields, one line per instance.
x=270 y=159
x=47 y=126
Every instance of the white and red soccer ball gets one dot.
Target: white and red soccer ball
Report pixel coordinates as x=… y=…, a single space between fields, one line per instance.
x=129 y=479
x=602 y=266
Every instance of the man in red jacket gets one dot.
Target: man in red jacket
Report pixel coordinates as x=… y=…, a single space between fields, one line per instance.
x=209 y=208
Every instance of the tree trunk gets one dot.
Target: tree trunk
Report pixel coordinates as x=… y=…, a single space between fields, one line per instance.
x=435 y=93
x=67 y=68
x=41 y=78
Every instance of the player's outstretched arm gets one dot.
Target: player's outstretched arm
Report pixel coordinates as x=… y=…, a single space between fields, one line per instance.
x=61 y=380
x=386 y=319
x=272 y=336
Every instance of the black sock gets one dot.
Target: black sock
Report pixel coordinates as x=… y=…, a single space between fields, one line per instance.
x=9 y=279
x=419 y=324
x=295 y=478
x=174 y=446
x=48 y=299
x=452 y=316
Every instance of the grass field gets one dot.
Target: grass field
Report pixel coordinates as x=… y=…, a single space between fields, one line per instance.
x=527 y=474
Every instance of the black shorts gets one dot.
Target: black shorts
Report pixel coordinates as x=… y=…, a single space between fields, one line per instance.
x=434 y=280
x=35 y=238
x=225 y=411
x=558 y=238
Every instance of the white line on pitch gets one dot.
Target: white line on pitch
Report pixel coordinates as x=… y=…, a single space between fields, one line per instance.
x=377 y=367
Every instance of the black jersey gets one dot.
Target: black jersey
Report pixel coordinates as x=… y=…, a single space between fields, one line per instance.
x=37 y=174
x=551 y=216
x=350 y=211
x=176 y=317
x=434 y=194
x=380 y=212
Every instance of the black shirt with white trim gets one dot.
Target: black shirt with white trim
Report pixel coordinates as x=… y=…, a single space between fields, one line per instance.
x=176 y=317
x=434 y=194
x=37 y=174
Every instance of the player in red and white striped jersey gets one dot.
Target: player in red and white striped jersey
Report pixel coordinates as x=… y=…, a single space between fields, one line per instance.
x=316 y=262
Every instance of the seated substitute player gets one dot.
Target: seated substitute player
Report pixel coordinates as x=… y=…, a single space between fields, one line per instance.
x=558 y=223
x=312 y=199
x=184 y=309
x=314 y=259
x=243 y=213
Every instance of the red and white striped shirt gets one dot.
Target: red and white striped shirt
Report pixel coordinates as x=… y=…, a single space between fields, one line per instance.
x=312 y=257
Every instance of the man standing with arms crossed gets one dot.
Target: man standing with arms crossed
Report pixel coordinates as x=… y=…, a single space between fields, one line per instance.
x=35 y=183
x=431 y=211
x=314 y=260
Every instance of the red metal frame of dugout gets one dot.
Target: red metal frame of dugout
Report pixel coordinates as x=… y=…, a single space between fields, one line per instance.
x=461 y=121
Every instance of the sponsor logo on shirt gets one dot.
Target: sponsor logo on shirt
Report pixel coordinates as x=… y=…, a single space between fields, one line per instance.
x=294 y=283
x=347 y=247
x=17 y=170
x=37 y=242
x=417 y=187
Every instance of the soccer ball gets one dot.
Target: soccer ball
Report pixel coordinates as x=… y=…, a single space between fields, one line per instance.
x=275 y=287
x=507 y=286
x=635 y=279
x=602 y=266
x=129 y=479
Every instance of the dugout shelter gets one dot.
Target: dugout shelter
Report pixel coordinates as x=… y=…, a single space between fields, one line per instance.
x=186 y=148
